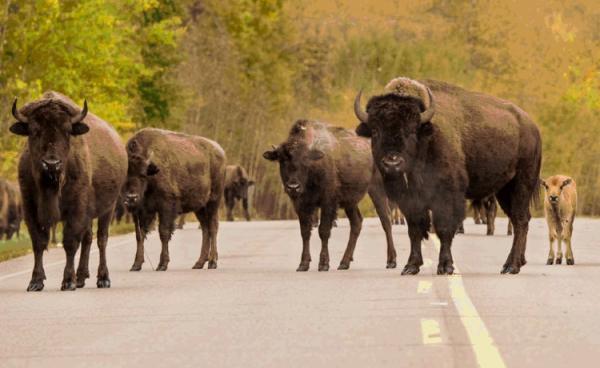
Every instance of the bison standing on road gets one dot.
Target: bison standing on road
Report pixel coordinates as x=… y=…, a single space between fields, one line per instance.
x=329 y=167
x=560 y=207
x=4 y=205
x=236 y=189
x=70 y=176
x=170 y=174
x=15 y=210
x=436 y=144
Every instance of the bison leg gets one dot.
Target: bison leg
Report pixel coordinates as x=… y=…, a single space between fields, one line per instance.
x=102 y=279
x=551 y=251
x=355 y=219
x=83 y=271
x=245 y=206
x=490 y=212
x=559 y=254
x=213 y=213
x=139 y=238
x=39 y=239
x=229 y=204
x=306 y=224
x=71 y=238
x=509 y=229
x=166 y=227
x=204 y=225
x=417 y=230
x=181 y=221
x=514 y=200
x=379 y=200
x=327 y=218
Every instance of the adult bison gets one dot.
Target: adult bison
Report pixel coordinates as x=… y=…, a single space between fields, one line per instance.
x=170 y=174
x=70 y=176
x=4 y=207
x=329 y=167
x=15 y=210
x=436 y=144
x=237 y=183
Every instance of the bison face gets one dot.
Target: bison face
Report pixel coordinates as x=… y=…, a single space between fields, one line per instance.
x=241 y=186
x=554 y=188
x=139 y=172
x=49 y=128
x=295 y=162
x=397 y=128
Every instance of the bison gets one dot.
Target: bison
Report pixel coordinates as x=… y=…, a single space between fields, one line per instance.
x=560 y=207
x=236 y=189
x=327 y=167
x=15 y=210
x=4 y=208
x=71 y=170
x=436 y=144
x=170 y=174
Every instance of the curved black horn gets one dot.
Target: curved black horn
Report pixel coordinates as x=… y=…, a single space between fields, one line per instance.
x=17 y=114
x=81 y=115
x=360 y=114
x=428 y=114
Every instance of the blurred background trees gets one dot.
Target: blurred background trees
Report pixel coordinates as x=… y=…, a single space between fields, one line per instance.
x=241 y=72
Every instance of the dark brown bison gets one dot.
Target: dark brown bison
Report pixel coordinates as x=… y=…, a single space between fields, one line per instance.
x=4 y=208
x=436 y=144
x=15 y=210
x=329 y=167
x=237 y=183
x=70 y=176
x=170 y=174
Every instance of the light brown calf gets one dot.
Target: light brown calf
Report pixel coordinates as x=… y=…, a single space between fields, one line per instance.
x=560 y=206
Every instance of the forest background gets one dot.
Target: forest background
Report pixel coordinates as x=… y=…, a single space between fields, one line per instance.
x=241 y=72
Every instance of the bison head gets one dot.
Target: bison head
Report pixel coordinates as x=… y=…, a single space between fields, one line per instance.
x=554 y=188
x=295 y=160
x=397 y=125
x=239 y=182
x=49 y=126
x=139 y=170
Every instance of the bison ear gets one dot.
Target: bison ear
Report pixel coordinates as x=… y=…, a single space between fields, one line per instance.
x=19 y=128
x=315 y=154
x=425 y=129
x=79 y=128
x=363 y=130
x=152 y=169
x=271 y=155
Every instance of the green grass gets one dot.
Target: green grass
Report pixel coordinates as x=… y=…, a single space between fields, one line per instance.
x=19 y=247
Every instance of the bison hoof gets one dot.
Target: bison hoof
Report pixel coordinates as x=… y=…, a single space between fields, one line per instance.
x=80 y=283
x=199 y=265
x=445 y=270
x=391 y=264
x=513 y=270
x=570 y=262
x=68 y=286
x=303 y=267
x=323 y=267
x=161 y=267
x=490 y=233
x=103 y=283
x=344 y=266
x=509 y=233
x=550 y=261
x=559 y=261
x=136 y=267
x=35 y=286
x=212 y=265
x=410 y=270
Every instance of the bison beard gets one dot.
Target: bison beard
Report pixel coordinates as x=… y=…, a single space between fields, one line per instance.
x=434 y=157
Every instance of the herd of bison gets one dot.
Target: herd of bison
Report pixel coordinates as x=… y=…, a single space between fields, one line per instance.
x=421 y=148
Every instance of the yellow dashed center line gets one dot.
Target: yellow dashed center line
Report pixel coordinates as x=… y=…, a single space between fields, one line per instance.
x=486 y=351
x=431 y=332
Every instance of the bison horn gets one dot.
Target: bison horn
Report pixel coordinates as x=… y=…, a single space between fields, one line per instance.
x=428 y=114
x=79 y=118
x=360 y=114
x=274 y=146
x=17 y=114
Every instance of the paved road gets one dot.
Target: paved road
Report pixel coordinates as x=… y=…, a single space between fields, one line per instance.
x=256 y=311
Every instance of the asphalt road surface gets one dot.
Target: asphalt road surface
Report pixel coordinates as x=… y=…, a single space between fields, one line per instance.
x=256 y=311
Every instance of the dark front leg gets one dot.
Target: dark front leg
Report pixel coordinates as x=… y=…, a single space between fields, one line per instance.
x=305 y=230
x=205 y=247
x=166 y=227
x=72 y=236
x=229 y=205
x=417 y=229
x=327 y=218
x=490 y=212
x=245 y=205
x=380 y=201
x=39 y=239
x=83 y=271
x=139 y=237
x=213 y=214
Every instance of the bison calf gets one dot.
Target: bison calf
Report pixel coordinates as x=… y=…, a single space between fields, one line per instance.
x=560 y=206
x=329 y=167
x=170 y=174
x=236 y=189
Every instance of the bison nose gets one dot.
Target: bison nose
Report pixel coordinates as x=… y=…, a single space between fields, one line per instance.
x=553 y=198
x=51 y=164
x=393 y=160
